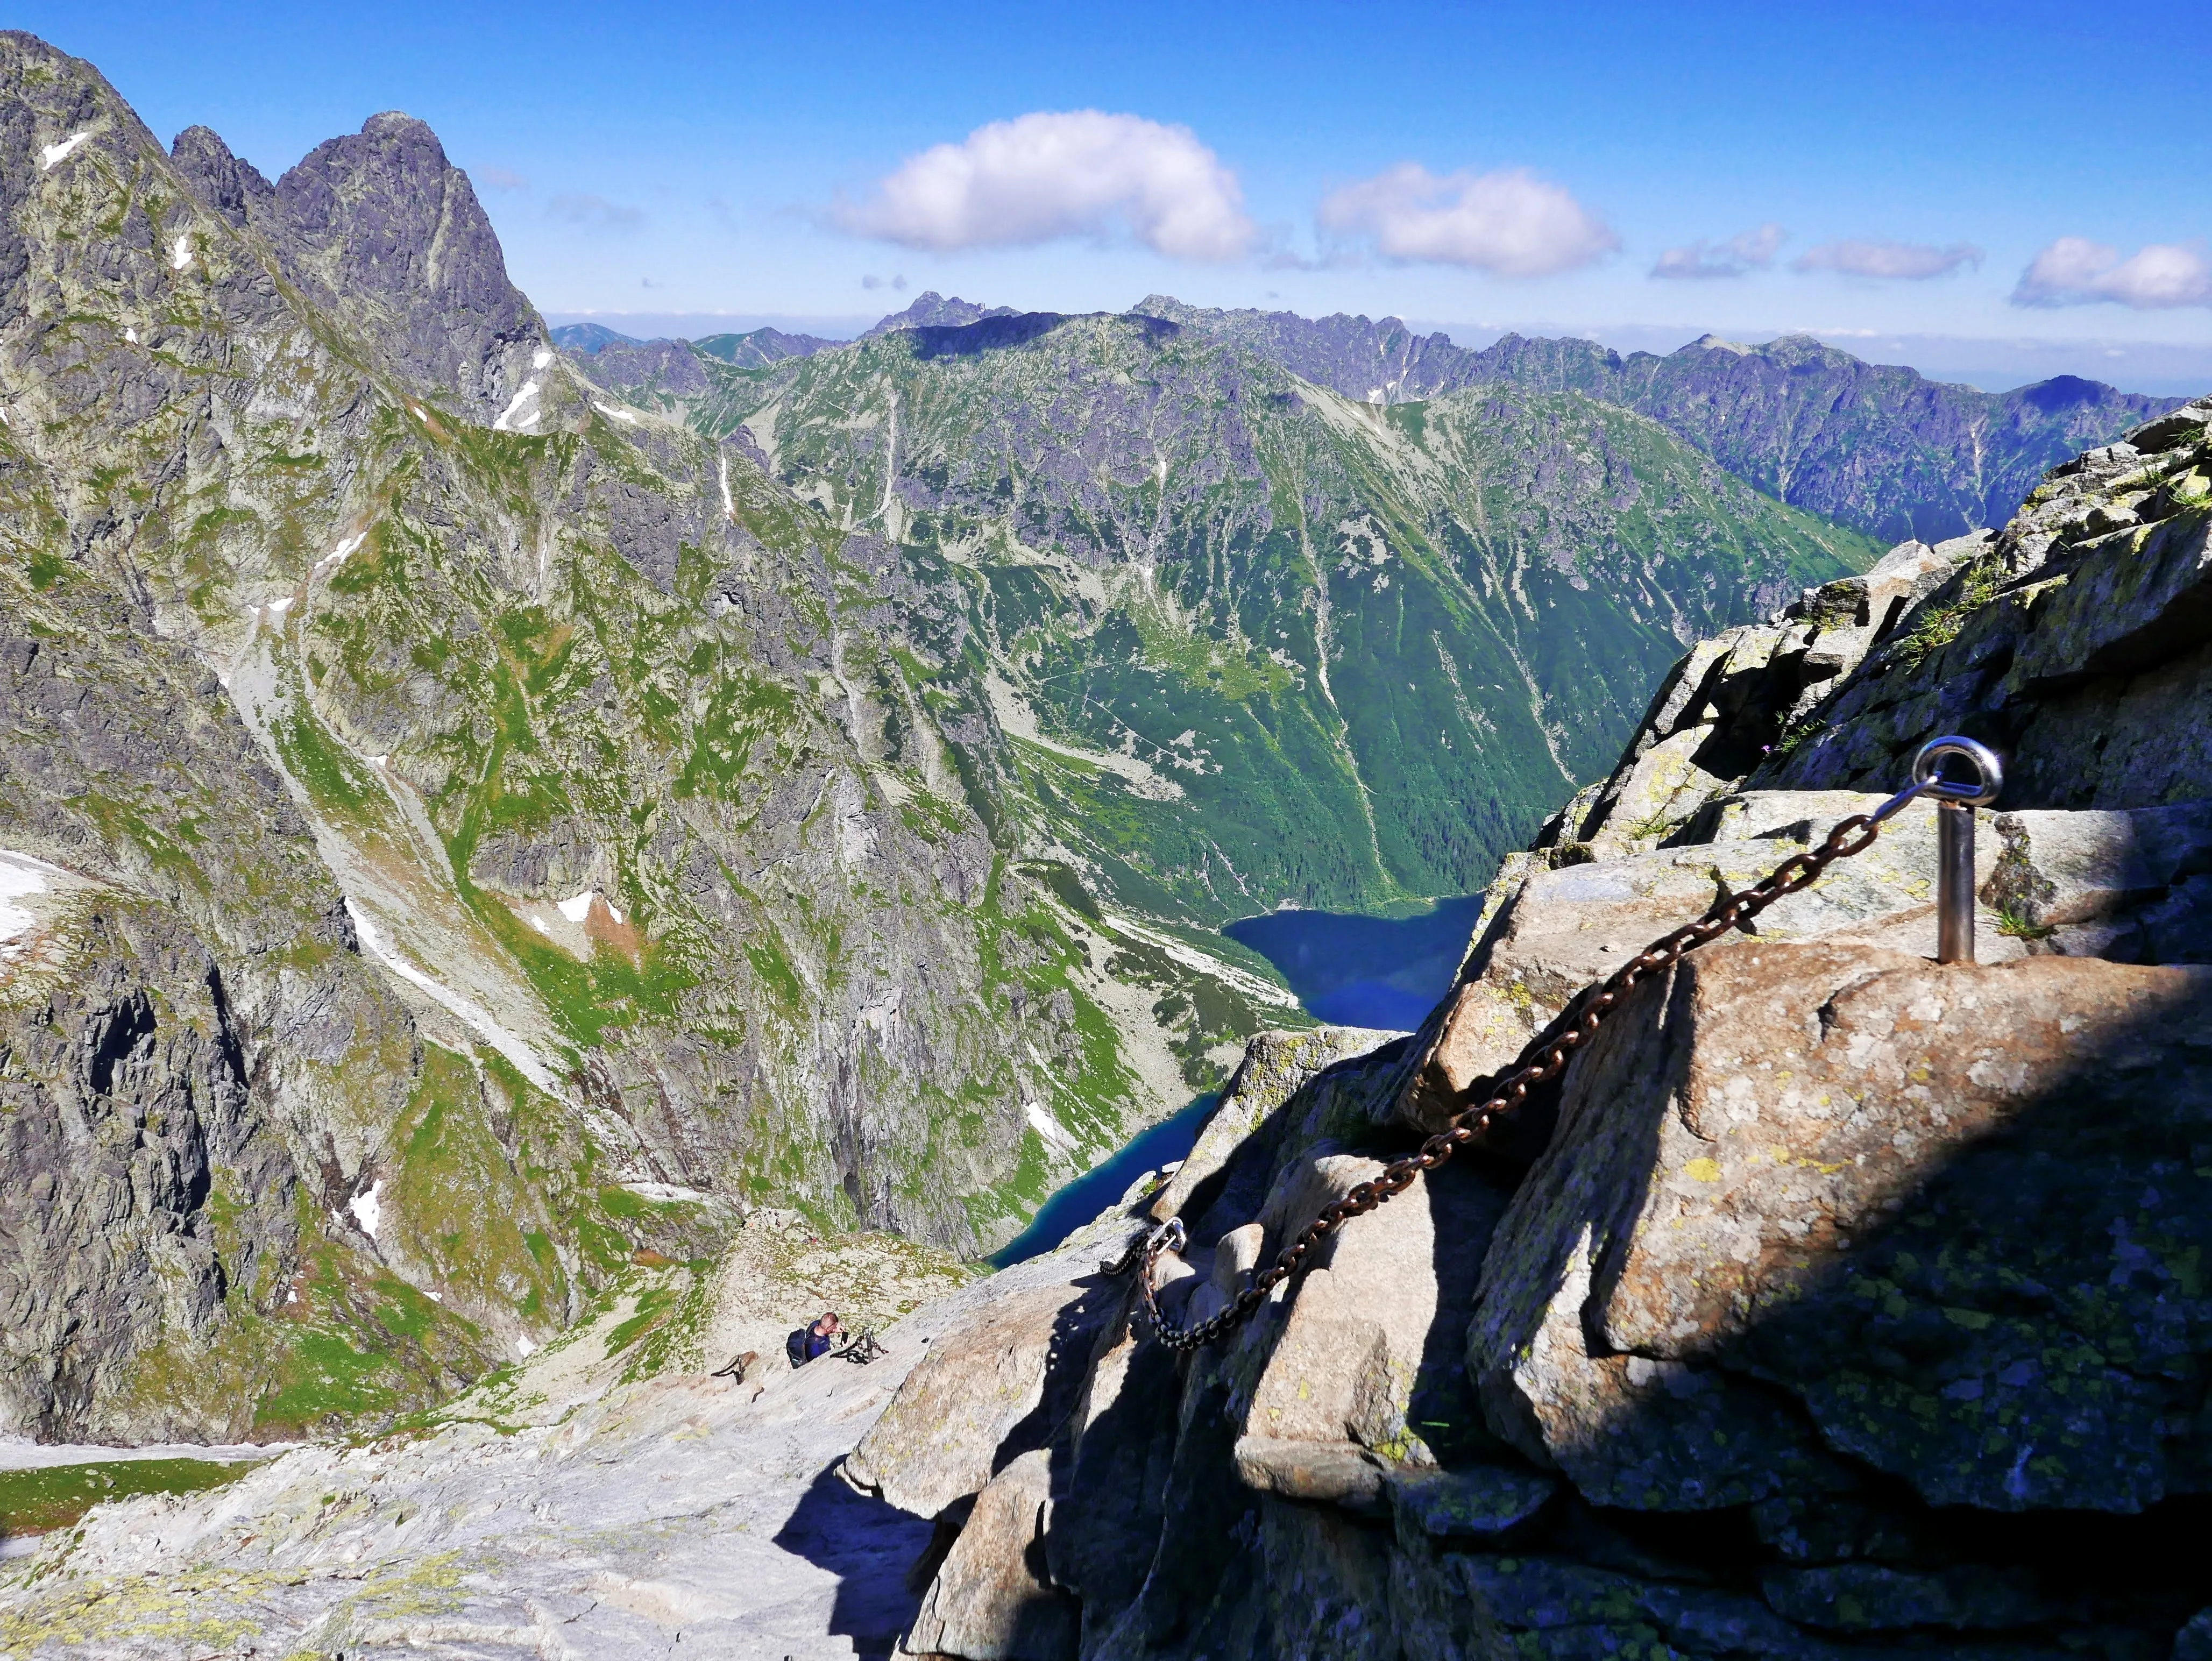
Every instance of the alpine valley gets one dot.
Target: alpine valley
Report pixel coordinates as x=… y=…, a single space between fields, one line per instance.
x=500 y=832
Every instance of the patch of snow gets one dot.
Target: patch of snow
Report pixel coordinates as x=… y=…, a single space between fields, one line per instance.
x=540 y=358
x=130 y=334
x=368 y=1209
x=668 y=1192
x=223 y=681
x=530 y=419
x=51 y=155
x=729 y=507
x=1046 y=1125
x=180 y=252
x=25 y=1455
x=525 y=1348
x=277 y=607
x=435 y=1297
x=337 y=556
x=577 y=907
x=415 y=410
x=378 y=760
x=20 y=876
x=540 y=923
x=4 y=422
x=505 y=423
x=618 y=415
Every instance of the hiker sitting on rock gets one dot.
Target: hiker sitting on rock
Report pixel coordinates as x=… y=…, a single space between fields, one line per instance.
x=811 y=1341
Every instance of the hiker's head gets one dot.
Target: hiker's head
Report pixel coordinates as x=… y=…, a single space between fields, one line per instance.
x=827 y=1323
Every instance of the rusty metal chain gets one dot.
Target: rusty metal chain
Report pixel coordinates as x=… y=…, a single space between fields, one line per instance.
x=1544 y=1058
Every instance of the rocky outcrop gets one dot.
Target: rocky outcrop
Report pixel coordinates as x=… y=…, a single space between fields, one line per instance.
x=2078 y=644
x=2072 y=642
x=1834 y=1299
x=930 y=309
x=145 y=1186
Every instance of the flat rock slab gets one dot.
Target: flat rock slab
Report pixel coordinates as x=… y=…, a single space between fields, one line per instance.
x=685 y=1514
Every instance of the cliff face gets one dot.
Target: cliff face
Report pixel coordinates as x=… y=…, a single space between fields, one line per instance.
x=1832 y=1301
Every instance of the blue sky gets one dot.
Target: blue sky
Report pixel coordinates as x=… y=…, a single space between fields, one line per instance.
x=2014 y=188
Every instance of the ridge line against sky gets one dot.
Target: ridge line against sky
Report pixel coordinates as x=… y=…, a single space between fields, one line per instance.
x=2011 y=191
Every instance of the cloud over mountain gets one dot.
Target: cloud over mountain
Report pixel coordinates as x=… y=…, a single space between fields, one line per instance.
x=1510 y=221
x=1910 y=262
x=1753 y=250
x=2075 y=272
x=1055 y=173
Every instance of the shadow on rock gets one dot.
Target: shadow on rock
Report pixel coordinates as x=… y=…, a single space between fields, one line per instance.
x=869 y=1546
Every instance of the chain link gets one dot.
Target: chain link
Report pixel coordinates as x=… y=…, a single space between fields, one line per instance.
x=1544 y=1058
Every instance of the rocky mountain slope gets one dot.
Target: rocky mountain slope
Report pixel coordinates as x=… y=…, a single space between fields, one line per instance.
x=1877 y=447
x=451 y=861
x=1256 y=641
x=1833 y=1302
x=472 y=838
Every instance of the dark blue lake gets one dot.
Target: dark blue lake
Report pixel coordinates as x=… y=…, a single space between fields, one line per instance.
x=1352 y=970
x=1348 y=969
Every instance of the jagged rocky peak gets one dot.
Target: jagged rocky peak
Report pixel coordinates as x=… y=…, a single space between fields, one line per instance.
x=932 y=310
x=233 y=187
x=386 y=231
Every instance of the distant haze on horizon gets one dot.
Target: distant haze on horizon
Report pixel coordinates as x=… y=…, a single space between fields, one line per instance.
x=1988 y=192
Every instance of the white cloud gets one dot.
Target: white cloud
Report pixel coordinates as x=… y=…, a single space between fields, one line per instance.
x=1047 y=174
x=1732 y=259
x=1911 y=262
x=1509 y=221
x=2075 y=272
x=501 y=179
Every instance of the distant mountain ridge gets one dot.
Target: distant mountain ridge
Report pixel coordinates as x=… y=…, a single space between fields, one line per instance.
x=1880 y=448
x=590 y=337
x=932 y=310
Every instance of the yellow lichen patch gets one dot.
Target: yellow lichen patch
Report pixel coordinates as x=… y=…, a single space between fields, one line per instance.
x=1703 y=1170
x=195 y=1611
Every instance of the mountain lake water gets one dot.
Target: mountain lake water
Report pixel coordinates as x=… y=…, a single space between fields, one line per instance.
x=1348 y=969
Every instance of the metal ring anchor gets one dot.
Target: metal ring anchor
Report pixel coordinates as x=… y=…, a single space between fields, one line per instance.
x=1955 y=803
